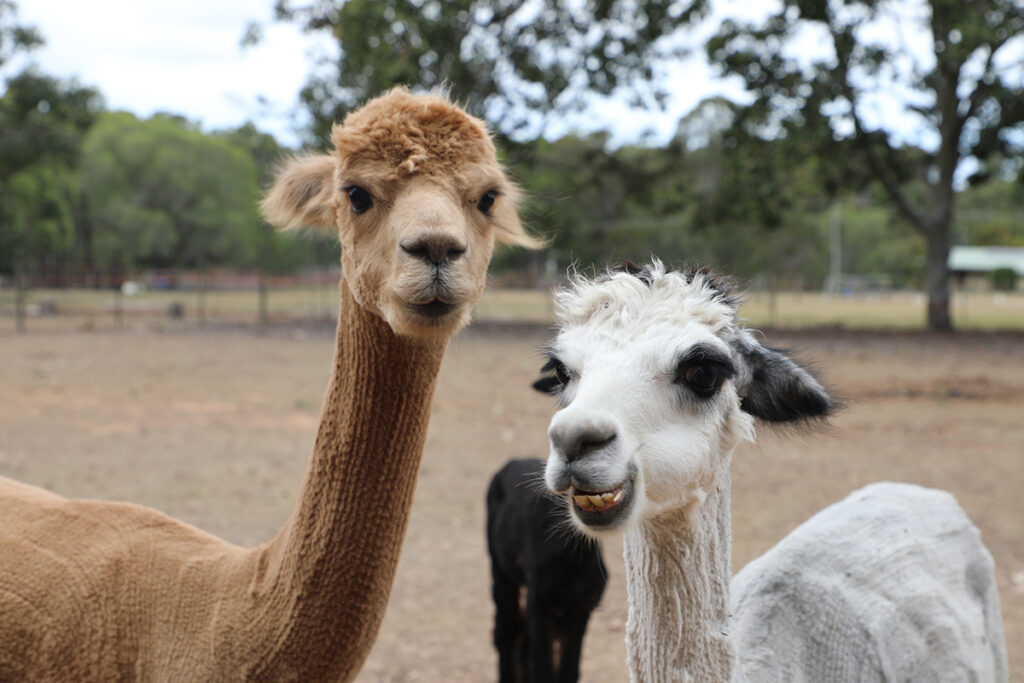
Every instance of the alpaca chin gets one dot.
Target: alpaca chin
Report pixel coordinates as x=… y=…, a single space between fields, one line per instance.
x=420 y=321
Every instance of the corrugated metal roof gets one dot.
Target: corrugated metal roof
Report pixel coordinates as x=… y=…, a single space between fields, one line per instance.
x=985 y=259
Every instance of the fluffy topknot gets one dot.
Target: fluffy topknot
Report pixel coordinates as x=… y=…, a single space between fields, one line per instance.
x=627 y=293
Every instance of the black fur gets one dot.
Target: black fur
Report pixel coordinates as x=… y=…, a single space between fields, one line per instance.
x=562 y=573
x=556 y=379
x=779 y=390
x=549 y=384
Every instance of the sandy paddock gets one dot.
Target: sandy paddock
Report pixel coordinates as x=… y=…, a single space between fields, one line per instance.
x=214 y=426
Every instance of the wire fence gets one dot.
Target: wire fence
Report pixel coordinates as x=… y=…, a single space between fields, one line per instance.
x=95 y=300
x=164 y=300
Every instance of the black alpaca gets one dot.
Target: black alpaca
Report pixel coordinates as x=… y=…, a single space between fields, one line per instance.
x=532 y=548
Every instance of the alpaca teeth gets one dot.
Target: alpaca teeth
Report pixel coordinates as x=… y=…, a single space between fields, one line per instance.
x=596 y=501
x=618 y=496
x=583 y=502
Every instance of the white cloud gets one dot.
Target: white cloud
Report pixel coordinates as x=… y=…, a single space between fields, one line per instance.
x=182 y=57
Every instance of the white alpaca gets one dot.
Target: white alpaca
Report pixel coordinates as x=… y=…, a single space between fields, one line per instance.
x=658 y=384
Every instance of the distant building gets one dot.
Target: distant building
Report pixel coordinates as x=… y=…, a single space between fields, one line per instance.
x=971 y=265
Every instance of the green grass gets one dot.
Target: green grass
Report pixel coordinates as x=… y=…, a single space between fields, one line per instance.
x=789 y=309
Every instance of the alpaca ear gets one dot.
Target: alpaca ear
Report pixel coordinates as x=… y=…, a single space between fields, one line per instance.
x=507 y=227
x=513 y=233
x=302 y=193
x=774 y=388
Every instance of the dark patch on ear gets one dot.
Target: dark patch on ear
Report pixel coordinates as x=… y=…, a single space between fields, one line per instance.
x=779 y=390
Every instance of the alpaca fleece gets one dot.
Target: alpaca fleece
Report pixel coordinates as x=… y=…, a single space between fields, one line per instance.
x=97 y=591
x=658 y=384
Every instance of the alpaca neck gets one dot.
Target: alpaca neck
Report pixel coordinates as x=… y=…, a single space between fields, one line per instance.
x=328 y=573
x=677 y=574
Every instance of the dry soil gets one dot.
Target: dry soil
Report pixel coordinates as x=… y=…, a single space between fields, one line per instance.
x=214 y=426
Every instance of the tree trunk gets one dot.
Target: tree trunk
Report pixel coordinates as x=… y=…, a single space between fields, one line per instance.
x=937 y=278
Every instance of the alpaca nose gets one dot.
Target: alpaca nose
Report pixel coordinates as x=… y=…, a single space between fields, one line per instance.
x=434 y=249
x=575 y=441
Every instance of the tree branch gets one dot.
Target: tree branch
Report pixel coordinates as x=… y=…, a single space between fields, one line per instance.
x=867 y=142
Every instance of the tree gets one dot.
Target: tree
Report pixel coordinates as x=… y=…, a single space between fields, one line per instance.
x=14 y=37
x=275 y=251
x=508 y=61
x=160 y=193
x=961 y=93
x=42 y=122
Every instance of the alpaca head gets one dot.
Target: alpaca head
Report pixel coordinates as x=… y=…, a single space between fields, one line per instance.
x=657 y=384
x=418 y=198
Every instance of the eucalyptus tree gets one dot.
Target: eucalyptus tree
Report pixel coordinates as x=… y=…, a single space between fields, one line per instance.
x=510 y=62
x=917 y=93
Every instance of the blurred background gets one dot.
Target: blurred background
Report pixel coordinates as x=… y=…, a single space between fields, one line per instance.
x=853 y=162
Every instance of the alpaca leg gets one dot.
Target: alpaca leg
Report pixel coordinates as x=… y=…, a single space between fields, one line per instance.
x=509 y=628
x=539 y=640
x=572 y=649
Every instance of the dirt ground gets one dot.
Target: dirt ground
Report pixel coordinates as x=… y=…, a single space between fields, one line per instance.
x=214 y=427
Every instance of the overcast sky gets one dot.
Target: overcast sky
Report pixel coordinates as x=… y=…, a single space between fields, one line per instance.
x=184 y=57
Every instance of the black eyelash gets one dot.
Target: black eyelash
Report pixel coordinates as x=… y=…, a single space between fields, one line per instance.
x=552 y=383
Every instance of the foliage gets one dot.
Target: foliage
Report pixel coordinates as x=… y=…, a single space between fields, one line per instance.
x=15 y=37
x=991 y=215
x=42 y=121
x=1004 y=279
x=508 y=61
x=37 y=214
x=962 y=94
x=159 y=193
x=275 y=251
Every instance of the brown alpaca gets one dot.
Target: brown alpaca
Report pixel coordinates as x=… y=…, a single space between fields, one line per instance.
x=94 y=591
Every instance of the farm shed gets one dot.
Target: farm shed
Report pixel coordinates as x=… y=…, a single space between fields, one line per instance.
x=972 y=265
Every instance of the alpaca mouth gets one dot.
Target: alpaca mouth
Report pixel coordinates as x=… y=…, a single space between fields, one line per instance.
x=597 y=502
x=602 y=508
x=435 y=308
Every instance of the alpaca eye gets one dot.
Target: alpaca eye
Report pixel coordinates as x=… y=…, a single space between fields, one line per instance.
x=702 y=379
x=360 y=199
x=555 y=382
x=703 y=370
x=561 y=374
x=487 y=202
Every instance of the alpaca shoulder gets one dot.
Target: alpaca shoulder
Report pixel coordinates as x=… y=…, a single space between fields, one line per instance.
x=891 y=583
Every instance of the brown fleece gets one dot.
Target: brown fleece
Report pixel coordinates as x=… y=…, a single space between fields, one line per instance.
x=98 y=591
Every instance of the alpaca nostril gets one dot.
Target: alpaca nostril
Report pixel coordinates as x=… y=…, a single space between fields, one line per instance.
x=434 y=249
x=591 y=444
x=577 y=444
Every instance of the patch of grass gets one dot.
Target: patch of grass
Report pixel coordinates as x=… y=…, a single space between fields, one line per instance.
x=905 y=310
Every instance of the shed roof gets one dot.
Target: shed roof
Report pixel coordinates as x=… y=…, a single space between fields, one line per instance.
x=985 y=259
